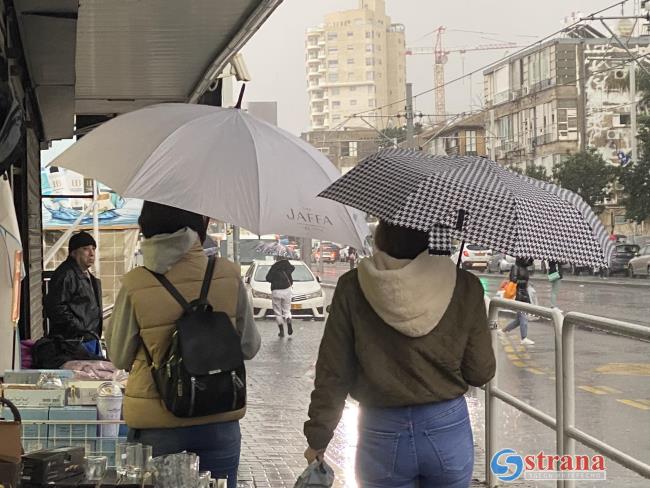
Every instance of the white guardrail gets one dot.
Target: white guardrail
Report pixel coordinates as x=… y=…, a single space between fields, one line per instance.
x=564 y=421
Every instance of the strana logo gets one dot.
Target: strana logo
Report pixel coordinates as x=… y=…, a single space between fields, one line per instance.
x=509 y=466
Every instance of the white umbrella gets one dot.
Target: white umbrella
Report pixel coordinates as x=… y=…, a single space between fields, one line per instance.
x=9 y=286
x=219 y=162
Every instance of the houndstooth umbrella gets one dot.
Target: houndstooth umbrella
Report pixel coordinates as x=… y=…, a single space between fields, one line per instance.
x=503 y=210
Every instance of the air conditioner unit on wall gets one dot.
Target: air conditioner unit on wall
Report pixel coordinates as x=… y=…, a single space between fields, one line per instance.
x=619 y=74
x=612 y=135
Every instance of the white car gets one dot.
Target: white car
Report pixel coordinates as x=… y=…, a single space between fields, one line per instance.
x=474 y=257
x=308 y=298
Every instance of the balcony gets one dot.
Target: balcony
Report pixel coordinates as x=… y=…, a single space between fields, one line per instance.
x=542 y=139
x=313 y=60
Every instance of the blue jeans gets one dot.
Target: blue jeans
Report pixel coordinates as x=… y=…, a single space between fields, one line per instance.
x=217 y=445
x=522 y=322
x=425 y=445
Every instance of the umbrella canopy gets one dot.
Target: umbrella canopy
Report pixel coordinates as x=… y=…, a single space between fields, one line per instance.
x=503 y=210
x=276 y=249
x=219 y=162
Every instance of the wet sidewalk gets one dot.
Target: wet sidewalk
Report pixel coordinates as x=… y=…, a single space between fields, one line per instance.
x=280 y=382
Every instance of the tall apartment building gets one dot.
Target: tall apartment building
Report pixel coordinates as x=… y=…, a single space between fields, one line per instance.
x=356 y=62
x=560 y=98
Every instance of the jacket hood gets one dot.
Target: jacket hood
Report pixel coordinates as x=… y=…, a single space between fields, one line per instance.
x=409 y=295
x=162 y=251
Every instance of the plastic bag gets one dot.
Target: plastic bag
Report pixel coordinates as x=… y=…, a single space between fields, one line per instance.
x=317 y=475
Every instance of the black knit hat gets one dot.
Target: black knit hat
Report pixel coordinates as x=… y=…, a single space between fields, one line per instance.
x=80 y=240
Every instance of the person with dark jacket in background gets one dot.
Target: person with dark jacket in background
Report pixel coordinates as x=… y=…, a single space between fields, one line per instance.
x=74 y=300
x=406 y=336
x=144 y=316
x=520 y=274
x=281 y=282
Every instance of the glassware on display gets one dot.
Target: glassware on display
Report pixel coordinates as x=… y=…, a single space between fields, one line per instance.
x=174 y=470
x=49 y=381
x=96 y=467
x=204 y=479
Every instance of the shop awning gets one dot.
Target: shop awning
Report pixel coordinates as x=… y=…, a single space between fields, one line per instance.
x=105 y=57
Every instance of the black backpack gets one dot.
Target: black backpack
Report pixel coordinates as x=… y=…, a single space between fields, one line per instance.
x=202 y=372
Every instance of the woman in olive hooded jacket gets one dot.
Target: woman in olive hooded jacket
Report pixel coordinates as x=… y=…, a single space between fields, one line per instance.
x=406 y=336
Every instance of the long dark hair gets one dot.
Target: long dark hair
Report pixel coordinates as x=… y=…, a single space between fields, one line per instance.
x=157 y=218
x=400 y=242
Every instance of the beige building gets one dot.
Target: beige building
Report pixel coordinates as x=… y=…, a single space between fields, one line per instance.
x=345 y=147
x=356 y=62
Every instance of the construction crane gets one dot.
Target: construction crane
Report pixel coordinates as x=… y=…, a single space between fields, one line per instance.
x=440 y=59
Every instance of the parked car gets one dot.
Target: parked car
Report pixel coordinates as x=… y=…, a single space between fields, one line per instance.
x=308 y=298
x=500 y=263
x=474 y=257
x=331 y=253
x=623 y=253
x=640 y=265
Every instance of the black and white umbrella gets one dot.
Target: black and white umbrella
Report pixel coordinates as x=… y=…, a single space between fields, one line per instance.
x=479 y=201
x=276 y=249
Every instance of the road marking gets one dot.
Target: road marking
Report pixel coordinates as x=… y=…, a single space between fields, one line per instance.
x=634 y=404
x=519 y=364
x=513 y=357
x=626 y=369
x=609 y=389
x=645 y=402
x=509 y=349
x=594 y=390
x=535 y=371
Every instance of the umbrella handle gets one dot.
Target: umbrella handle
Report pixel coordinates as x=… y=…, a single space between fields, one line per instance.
x=241 y=95
x=460 y=254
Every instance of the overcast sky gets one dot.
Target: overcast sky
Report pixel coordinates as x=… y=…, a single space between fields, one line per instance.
x=275 y=55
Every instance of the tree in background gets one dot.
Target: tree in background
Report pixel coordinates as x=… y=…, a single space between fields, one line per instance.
x=533 y=170
x=635 y=177
x=587 y=174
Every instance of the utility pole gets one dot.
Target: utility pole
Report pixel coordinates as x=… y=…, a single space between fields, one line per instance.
x=410 y=139
x=633 y=110
x=235 y=243
x=492 y=137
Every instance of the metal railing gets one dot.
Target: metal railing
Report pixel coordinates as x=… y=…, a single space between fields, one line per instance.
x=564 y=421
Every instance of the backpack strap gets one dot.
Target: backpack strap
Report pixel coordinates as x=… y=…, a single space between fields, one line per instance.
x=207 y=279
x=172 y=290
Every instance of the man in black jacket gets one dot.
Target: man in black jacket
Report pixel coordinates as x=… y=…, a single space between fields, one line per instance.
x=281 y=281
x=520 y=274
x=74 y=301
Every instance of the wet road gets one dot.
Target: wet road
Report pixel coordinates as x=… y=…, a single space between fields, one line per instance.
x=610 y=297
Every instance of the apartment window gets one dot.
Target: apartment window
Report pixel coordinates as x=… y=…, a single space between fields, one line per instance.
x=349 y=149
x=350 y=47
x=353 y=102
x=336 y=104
x=333 y=50
x=350 y=34
x=333 y=77
x=324 y=150
x=371 y=102
x=351 y=61
x=370 y=75
x=370 y=61
x=368 y=35
x=332 y=63
x=334 y=91
x=331 y=36
x=369 y=48
x=470 y=143
x=567 y=124
x=353 y=88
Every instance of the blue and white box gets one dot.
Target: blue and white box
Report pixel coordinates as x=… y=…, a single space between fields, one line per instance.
x=73 y=434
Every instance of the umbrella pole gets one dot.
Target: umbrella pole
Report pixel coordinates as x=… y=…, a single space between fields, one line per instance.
x=460 y=254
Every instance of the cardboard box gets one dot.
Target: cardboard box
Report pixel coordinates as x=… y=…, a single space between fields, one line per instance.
x=83 y=435
x=34 y=435
x=32 y=396
x=31 y=376
x=82 y=392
